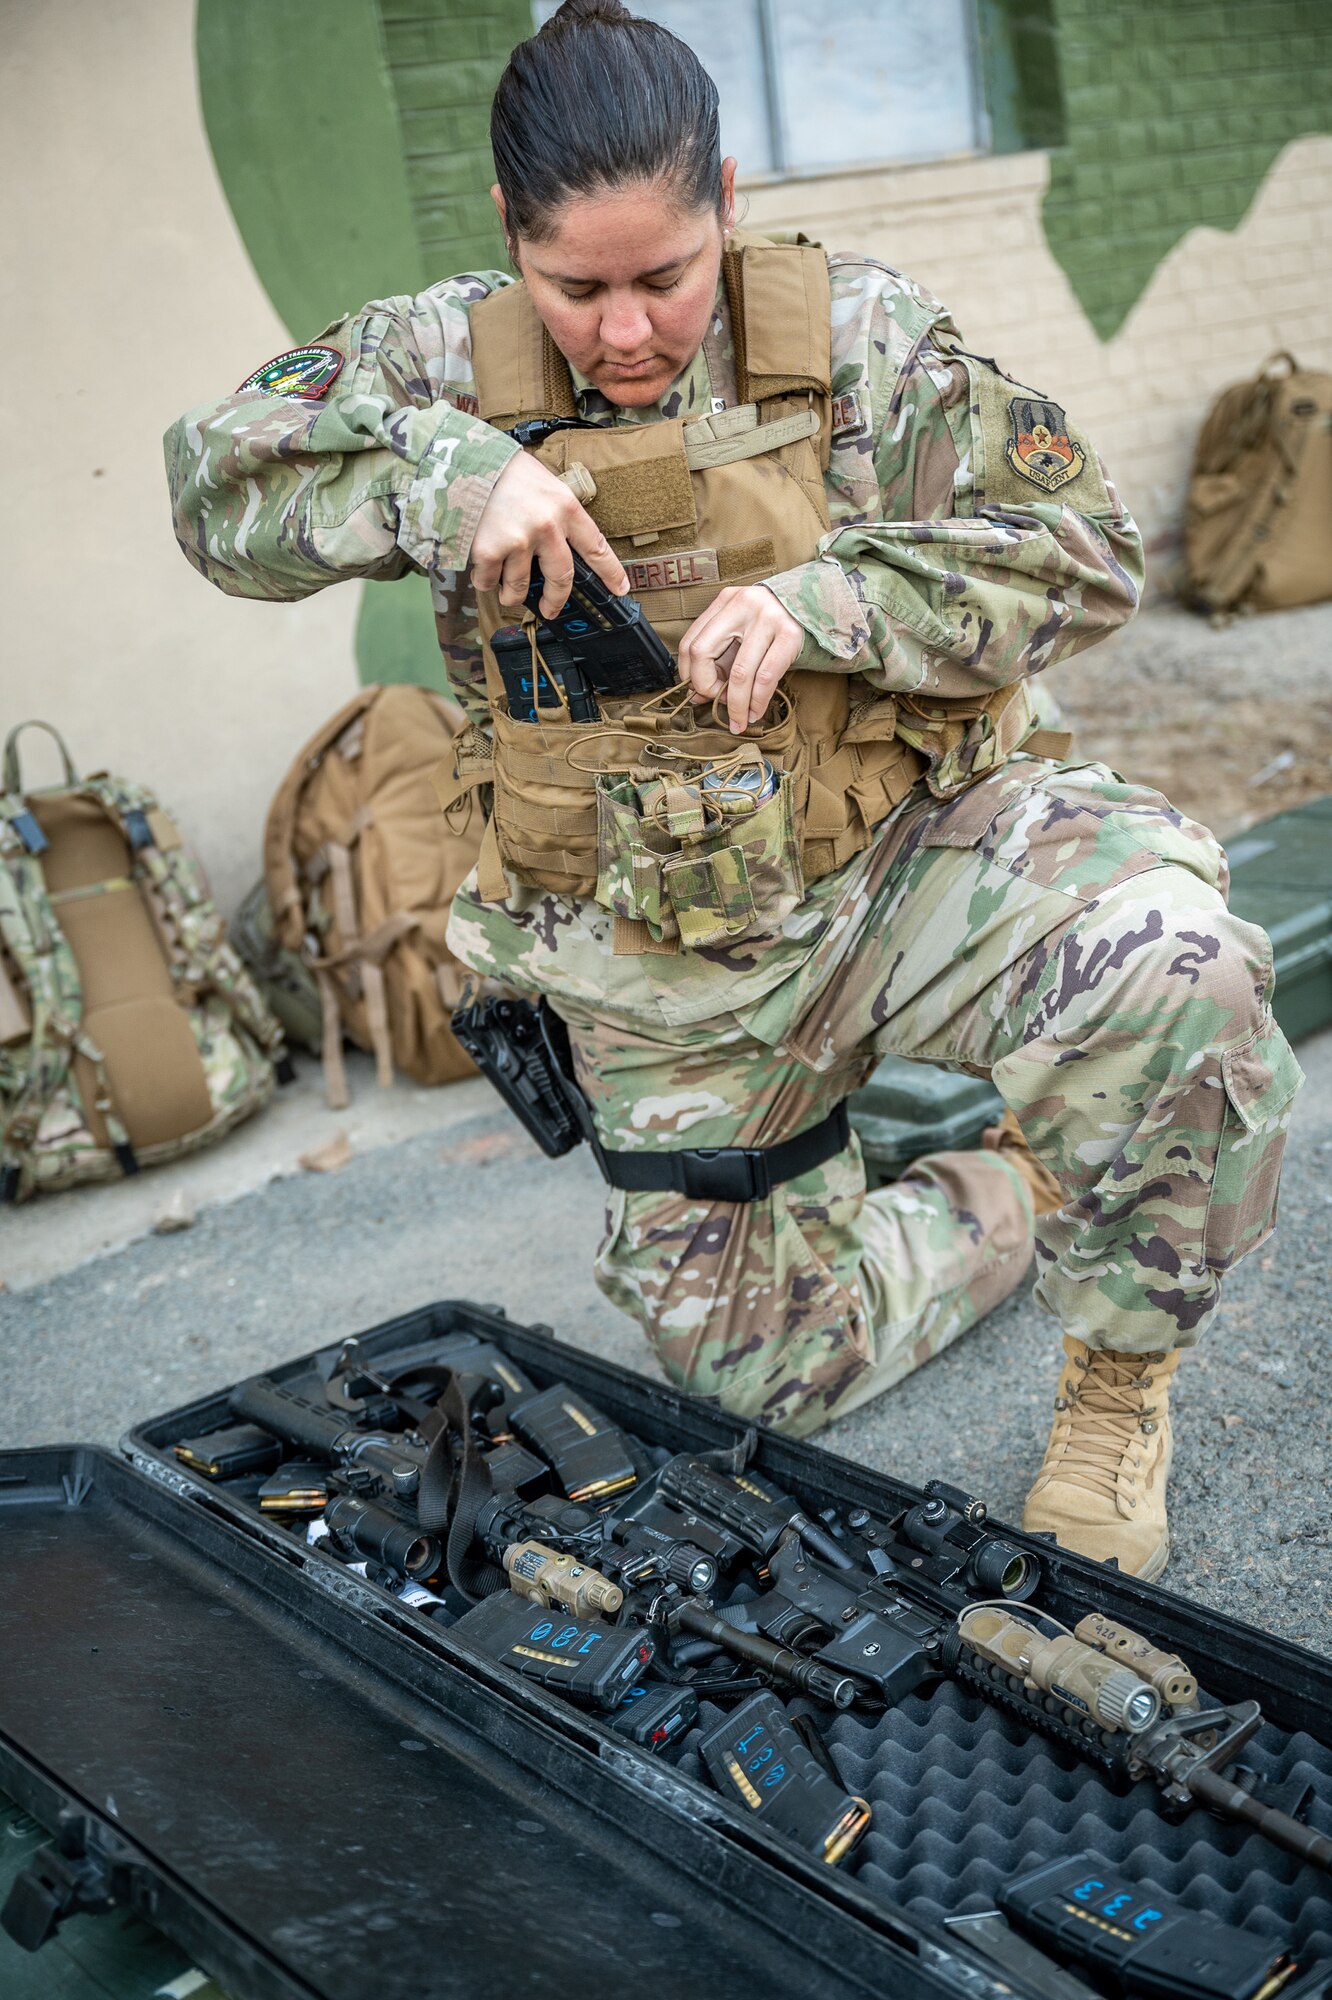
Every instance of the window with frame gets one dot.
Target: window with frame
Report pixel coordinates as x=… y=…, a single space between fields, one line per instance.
x=808 y=87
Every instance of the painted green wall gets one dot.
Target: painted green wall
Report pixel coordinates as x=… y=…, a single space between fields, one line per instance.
x=304 y=131
x=351 y=140
x=1175 y=111
x=444 y=61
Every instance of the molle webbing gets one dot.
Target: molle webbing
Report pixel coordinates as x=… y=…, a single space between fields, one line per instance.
x=544 y=822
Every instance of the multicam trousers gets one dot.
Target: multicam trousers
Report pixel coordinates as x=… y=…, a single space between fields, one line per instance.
x=1053 y=928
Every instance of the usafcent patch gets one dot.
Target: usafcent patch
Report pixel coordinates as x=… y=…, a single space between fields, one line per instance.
x=309 y=372
x=1040 y=447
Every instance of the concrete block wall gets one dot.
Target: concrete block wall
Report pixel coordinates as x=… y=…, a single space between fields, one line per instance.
x=1179 y=236
x=1175 y=114
x=444 y=59
x=1215 y=306
x=1181 y=233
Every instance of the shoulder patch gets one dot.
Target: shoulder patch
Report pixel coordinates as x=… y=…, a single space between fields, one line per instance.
x=1039 y=446
x=1026 y=450
x=308 y=372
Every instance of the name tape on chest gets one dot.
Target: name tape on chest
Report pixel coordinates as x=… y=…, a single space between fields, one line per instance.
x=308 y=372
x=673 y=572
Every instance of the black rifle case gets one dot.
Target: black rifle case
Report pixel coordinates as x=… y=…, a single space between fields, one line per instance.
x=321 y=1795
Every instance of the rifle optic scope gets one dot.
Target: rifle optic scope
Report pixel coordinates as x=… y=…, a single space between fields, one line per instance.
x=380 y=1537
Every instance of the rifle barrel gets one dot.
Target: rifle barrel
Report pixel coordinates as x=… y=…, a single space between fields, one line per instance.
x=780 y=1662
x=1231 y=1801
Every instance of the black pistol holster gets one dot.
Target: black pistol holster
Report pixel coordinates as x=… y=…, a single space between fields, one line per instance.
x=524 y=1050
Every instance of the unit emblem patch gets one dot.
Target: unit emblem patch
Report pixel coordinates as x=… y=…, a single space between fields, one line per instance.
x=301 y=371
x=1040 y=447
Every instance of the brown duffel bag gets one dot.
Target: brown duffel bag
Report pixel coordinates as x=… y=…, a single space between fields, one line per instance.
x=361 y=873
x=1258 y=525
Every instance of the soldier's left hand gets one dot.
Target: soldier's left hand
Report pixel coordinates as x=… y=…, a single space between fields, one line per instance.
x=743 y=643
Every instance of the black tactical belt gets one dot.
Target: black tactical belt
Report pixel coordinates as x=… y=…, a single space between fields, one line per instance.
x=729 y=1173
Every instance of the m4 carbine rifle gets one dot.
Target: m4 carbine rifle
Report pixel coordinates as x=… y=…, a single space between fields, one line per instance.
x=937 y=1593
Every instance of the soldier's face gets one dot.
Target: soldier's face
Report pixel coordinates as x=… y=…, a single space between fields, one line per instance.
x=625 y=283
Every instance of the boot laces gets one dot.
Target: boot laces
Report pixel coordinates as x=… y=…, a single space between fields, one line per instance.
x=1105 y=1406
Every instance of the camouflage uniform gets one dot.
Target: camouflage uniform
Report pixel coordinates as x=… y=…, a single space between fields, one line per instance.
x=1069 y=922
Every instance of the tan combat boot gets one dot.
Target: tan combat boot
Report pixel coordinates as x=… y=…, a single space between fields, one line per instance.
x=1009 y=1139
x=1101 y=1489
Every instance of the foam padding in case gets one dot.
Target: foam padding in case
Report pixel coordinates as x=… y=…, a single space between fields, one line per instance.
x=963 y=1798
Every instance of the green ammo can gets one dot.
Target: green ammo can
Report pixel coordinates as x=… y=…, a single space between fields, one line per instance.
x=1281 y=878
x=910 y=1108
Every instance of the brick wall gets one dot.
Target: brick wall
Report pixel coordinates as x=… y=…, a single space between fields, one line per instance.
x=1175 y=111
x=445 y=58
x=1181 y=233
x=1212 y=310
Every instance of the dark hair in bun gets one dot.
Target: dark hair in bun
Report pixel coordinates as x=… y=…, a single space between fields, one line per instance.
x=598 y=100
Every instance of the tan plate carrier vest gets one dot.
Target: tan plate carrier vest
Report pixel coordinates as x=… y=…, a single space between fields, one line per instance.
x=730 y=498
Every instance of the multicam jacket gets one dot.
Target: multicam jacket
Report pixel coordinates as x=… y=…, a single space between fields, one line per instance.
x=974 y=540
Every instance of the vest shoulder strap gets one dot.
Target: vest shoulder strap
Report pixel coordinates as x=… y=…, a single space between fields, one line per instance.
x=519 y=371
x=781 y=318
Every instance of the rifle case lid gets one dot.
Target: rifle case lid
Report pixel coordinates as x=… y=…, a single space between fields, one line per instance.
x=314 y=1814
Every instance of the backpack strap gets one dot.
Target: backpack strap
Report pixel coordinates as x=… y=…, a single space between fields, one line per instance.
x=284 y=893
x=10 y=781
x=356 y=949
x=190 y=927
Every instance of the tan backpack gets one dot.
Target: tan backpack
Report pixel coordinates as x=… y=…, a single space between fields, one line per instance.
x=1258 y=526
x=361 y=872
x=130 y=1032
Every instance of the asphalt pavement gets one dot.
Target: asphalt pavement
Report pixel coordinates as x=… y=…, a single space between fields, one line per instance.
x=472 y=1210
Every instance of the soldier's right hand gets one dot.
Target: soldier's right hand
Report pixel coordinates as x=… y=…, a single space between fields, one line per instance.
x=532 y=513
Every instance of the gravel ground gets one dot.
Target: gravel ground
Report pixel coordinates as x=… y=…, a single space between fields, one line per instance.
x=478 y=1213
x=1203 y=714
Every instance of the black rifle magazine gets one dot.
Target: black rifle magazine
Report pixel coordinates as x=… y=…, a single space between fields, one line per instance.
x=318 y=1791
